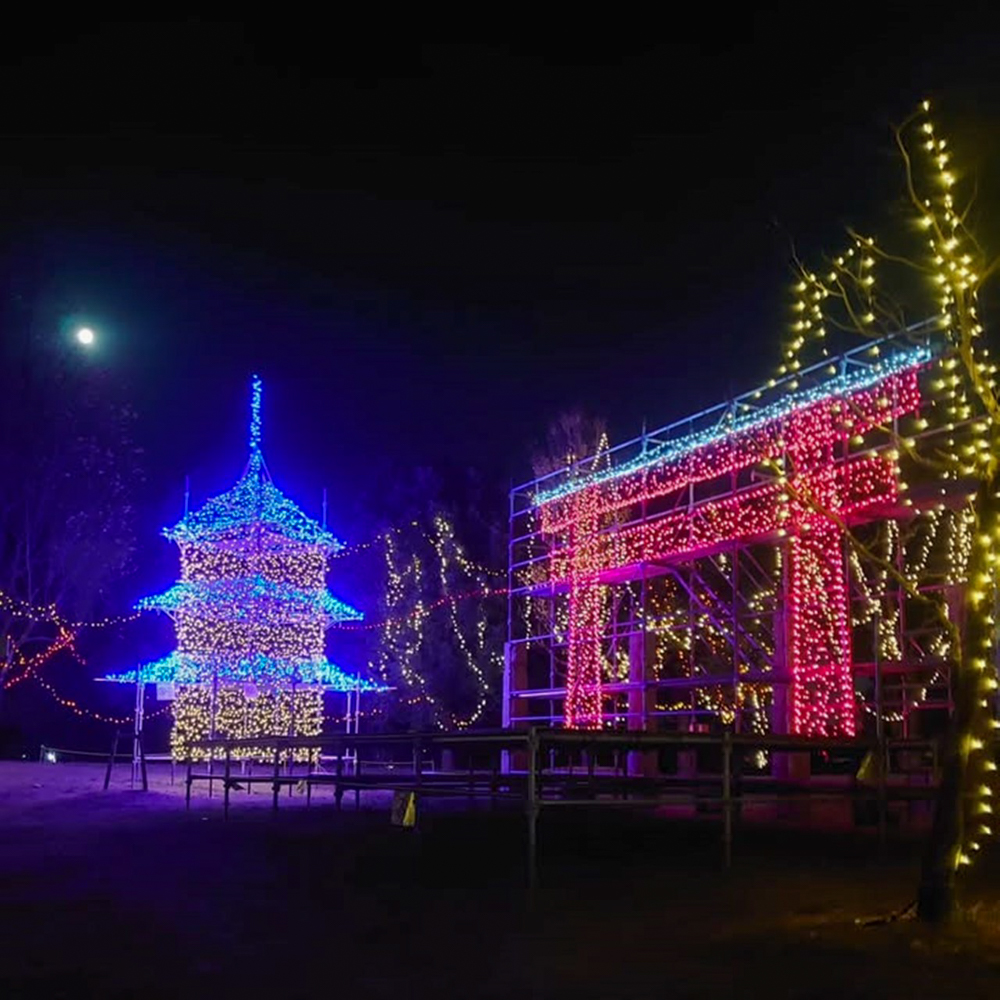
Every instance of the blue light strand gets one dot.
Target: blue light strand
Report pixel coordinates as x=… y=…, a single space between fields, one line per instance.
x=671 y=451
x=177 y=668
x=242 y=598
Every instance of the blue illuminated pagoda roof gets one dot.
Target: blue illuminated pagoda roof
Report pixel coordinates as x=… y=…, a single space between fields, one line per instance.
x=254 y=500
x=176 y=668
x=237 y=598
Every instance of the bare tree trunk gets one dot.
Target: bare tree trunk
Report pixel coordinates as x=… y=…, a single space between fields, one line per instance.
x=970 y=721
x=936 y=893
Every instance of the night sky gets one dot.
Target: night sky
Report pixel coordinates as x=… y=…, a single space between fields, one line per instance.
x=428 y=250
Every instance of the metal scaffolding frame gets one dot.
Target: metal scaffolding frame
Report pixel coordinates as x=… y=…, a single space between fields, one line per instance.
x=698 y=642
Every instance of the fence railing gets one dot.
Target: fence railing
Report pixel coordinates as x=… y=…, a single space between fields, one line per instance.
x=538 y=768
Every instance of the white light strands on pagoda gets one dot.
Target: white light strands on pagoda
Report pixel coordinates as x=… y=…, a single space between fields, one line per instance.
x=251 y=611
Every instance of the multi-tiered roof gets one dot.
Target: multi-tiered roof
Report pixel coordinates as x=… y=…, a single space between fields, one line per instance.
x=252 y=605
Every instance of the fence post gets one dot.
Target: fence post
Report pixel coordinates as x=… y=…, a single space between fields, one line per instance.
x=532 y=808
x=111 y=762
x=142 y=764
x=418 y=763
x=276 y=784
x=338 y=792
x=883 y=804
x=727 y=796
x=226 y=783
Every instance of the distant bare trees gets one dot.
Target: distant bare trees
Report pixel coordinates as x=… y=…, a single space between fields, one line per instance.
x=68 y=470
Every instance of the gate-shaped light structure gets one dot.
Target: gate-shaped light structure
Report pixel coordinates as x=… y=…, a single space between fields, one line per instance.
x=796 y=469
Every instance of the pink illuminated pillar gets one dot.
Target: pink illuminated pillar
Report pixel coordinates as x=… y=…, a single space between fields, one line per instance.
x=819 y=630
x=583 y=676
x=585 y=625
x=819 y=625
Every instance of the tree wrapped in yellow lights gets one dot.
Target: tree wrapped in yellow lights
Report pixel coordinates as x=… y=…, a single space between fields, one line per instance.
x=926 y=288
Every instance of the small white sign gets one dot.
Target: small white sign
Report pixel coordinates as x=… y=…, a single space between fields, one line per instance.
x=165 y=692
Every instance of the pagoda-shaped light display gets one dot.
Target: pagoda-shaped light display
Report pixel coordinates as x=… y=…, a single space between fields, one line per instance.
x=251 y=611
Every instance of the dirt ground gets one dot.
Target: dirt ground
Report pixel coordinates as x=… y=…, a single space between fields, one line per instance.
x=126 y=894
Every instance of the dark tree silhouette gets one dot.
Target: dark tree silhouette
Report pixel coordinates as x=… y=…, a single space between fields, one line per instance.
x=70 y=468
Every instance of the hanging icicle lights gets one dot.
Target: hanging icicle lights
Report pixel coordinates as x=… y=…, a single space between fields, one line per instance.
x=251 y=611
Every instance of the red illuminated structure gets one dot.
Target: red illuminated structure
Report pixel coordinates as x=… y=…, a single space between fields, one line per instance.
x=701 y=570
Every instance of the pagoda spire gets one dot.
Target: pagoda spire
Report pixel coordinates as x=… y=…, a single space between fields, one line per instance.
x=256 y=388
x=256 y=466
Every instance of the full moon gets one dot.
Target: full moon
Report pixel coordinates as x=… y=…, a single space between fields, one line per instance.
x=85 y=335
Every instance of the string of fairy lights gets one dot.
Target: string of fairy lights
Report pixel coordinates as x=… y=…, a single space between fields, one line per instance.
x=14 y=607
x=403 y=639
x=381 y=539
x=879 y=604
x=27 y=668
x=166 y=671
x=83 y=712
